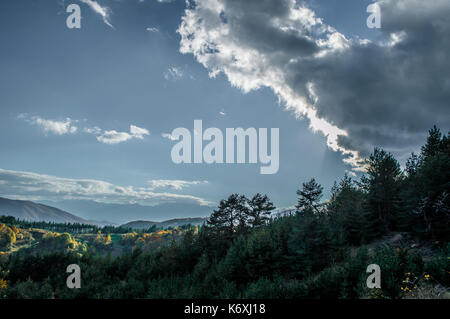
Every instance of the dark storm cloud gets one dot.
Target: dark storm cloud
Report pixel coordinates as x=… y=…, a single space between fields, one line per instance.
x=370 y=94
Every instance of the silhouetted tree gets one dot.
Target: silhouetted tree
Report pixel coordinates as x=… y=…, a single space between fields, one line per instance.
x=382 y=184
x=309 y=196
x=260 y=208
x=347 y=213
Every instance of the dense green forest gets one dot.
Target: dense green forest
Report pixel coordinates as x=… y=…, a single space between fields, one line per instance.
x=73 y=228
x=320 y=251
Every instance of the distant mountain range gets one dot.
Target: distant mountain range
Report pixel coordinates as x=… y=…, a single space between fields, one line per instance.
x=177 y=222
x=31 y=211
x=118 y=214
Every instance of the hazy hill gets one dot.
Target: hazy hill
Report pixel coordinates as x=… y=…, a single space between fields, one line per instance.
x=123 y=213
x=142 y=224
x=31 y=211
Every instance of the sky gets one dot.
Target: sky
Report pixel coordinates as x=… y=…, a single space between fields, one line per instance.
x=87 y=113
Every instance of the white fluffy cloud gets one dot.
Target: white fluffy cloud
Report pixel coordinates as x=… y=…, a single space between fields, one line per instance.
x=103 y=11
x=67 y=127
x=32 y=186
x=358 y=93
x=138 y=132
x=169 y=136
x=93 y=130
x=152 y=29
x=173 y=184
x=51 y=126
x=114 y=137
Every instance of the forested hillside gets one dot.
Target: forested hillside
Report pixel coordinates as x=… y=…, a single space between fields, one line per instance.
x=398 y=219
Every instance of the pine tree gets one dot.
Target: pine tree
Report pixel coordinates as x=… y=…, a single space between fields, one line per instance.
x=230 y=219
x=346 y=211
x=434 y=177
x=411 y=194
x=382 y=185
x=260 y=210
x=310 y=245
x=433 y=143
x=309 y=196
